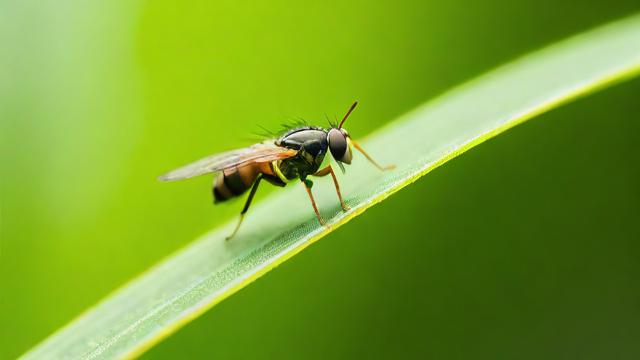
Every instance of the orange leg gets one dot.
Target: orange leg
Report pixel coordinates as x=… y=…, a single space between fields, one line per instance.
x=329 y=170
x=307 y=186
x=382 y=168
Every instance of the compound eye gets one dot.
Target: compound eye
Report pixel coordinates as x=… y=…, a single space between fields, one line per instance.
x=337 y=145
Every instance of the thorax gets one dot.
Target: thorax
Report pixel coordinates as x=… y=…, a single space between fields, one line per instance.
x=311 y=143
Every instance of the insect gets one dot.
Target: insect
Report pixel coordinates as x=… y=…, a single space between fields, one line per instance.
x=296 y=155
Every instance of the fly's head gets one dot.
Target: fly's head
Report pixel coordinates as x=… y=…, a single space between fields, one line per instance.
x=340 y=145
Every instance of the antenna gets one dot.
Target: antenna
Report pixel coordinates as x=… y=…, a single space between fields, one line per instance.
x=353 y=106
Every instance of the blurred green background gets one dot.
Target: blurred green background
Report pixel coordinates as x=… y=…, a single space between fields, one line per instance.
x=525 y=247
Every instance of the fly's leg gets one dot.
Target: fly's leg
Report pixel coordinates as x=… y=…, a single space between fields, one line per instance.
x=329 y=170
x=382 y=168
x=307 y=185
x=254 y=188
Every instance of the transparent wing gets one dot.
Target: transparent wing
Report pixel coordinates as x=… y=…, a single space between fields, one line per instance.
x=258 y=153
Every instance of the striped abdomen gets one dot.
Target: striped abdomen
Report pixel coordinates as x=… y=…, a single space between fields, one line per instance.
x=233 y=182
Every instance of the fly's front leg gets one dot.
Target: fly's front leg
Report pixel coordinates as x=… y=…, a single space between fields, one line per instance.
x=382 y=168
x=329 y=170
x=307 y=185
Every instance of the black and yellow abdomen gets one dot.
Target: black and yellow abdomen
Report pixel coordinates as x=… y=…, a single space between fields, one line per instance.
x=234 y=182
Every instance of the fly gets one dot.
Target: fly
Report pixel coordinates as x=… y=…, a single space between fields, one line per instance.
x=296 y=155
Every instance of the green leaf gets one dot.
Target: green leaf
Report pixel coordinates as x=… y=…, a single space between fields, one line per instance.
x=210 y=269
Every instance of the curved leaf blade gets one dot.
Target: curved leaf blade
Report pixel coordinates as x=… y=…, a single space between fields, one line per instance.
x=181 y=288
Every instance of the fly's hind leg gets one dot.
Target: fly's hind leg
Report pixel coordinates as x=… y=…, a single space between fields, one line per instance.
x=254 y=188
x=329 y=170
